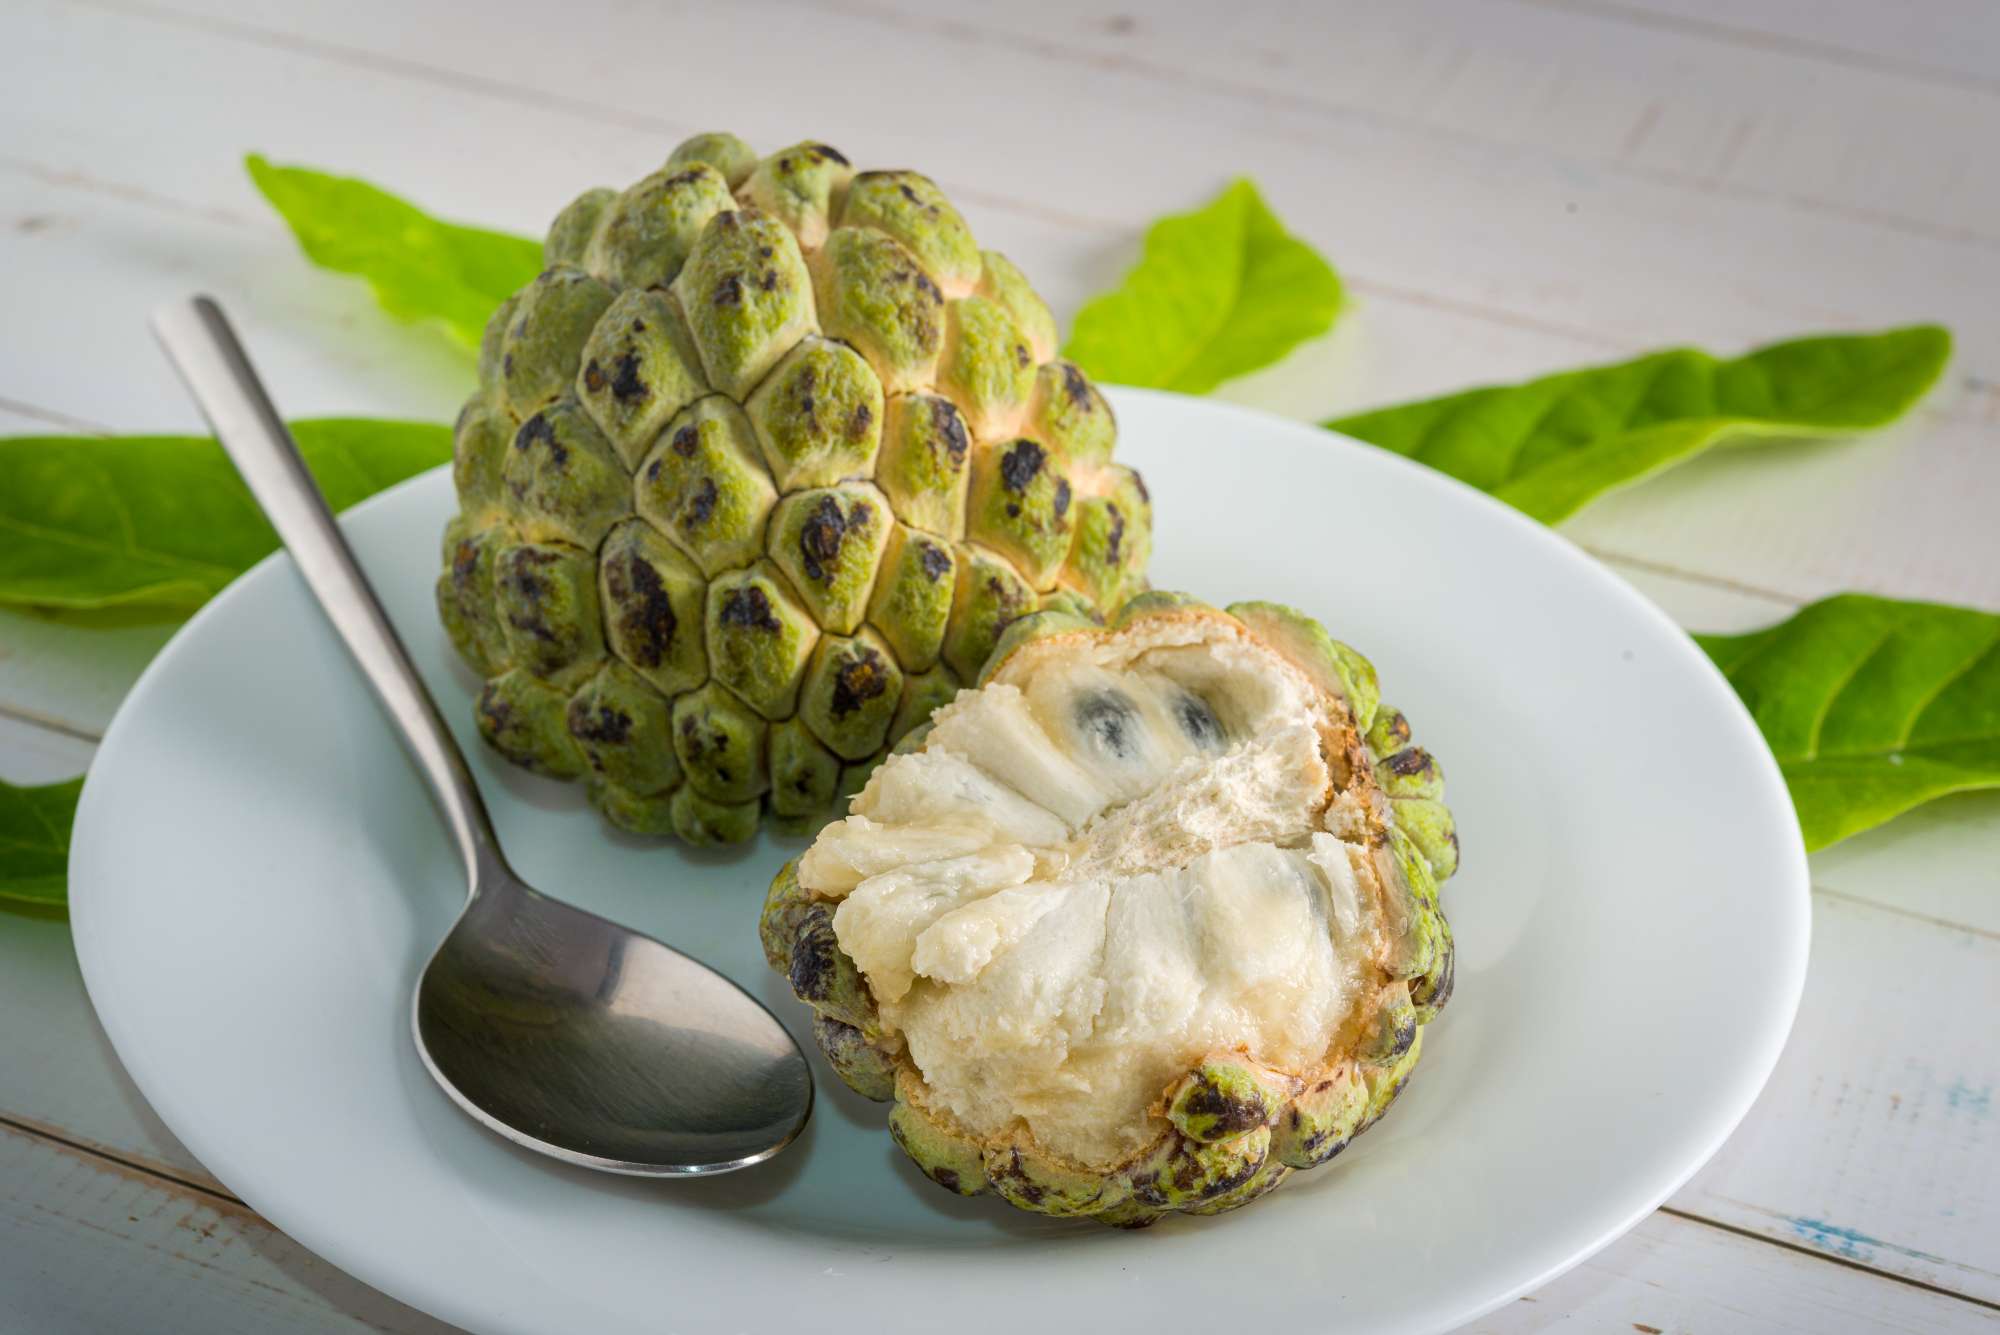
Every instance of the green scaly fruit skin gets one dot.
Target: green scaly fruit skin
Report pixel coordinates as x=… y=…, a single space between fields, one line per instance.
x=730 y=438
x=1234 y=1130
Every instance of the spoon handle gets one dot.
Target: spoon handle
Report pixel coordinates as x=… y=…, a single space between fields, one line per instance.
x=204 y=349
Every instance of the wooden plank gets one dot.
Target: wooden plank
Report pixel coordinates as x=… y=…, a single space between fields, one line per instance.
x=34 y=755
x=205 y=1265
x=1546 y=297
x=73 y=1085
x=1955 y=40
x=93 y=1246
x=1565 y=80
x=1624 y=259
x=1874 y=1141
x=1673 y=1276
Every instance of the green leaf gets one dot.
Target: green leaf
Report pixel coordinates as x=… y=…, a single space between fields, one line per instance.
x=421 y=268
x=1871 y=706
x=34 y=842
x=160 y=523
x=1549 y=446
x=1218 y=293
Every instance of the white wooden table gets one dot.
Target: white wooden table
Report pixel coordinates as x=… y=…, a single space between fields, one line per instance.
x=1509 y=186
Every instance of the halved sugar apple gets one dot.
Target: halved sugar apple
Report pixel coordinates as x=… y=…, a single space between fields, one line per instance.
x=1142 y=924
x=756 y=473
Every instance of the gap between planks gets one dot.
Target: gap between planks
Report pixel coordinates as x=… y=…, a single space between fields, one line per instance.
x=49 y=723
x=964 y=32
x=211 y=1191
x=218 y=1197
x=1787 y=44
x=1802 y=1250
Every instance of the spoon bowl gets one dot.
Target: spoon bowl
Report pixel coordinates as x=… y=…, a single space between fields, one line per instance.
x=568 y=1034
x=554 y=1027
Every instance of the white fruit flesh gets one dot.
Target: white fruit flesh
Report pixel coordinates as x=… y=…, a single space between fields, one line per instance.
x=1104 y=866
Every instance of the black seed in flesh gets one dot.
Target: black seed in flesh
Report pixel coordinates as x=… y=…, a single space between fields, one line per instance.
x=1109 y=721
x=1198 y=721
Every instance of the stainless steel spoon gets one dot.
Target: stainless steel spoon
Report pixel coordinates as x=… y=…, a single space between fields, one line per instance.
x=562 y=1031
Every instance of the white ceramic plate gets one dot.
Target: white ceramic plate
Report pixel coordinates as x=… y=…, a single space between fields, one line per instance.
x=257 y=877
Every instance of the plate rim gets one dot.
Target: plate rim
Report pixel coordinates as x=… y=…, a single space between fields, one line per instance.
x=442 y=1302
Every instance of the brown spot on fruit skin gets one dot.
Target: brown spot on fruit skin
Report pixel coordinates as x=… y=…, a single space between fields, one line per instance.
x=812 y=970
x=645 y=613
x=831 y=152
x=1116 y=537
x=1410 y=761
x=626 y=386
x=537 y=431
x=605 y=725
x=1076 y=387
x=685 y=440
x=821 y=535
x=946 y=1178
x=860 y=680
x=750 y=609
x=950 y=427
x=1227 y=1116
x=729 y=292
x=1062 y=497
x=936 y=563
x=859 y=421
x=593 y=377
x=701 y=505
x=1021 y=464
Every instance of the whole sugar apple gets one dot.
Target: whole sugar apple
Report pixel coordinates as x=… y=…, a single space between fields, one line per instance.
x=1144 y=923
x=756 y=473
